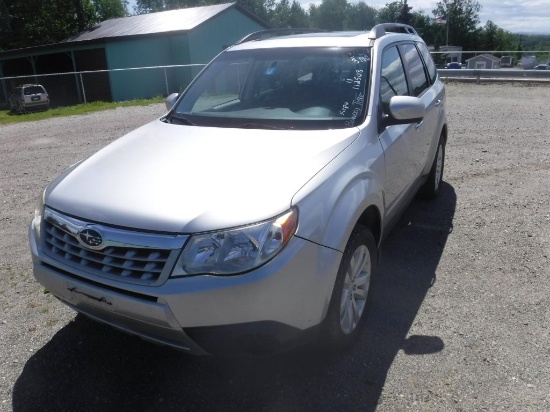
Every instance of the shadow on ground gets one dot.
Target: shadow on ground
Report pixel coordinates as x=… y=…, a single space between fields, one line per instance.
x=88 y=366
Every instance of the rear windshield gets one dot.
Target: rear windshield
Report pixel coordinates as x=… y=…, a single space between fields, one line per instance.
x=33 y=90
x=295 y=88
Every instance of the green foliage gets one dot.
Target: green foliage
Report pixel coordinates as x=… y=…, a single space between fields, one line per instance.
x=260 y=8
x=405 y=15
x=535 y=42
x=329 y=15
x=288 y=15
x=494 y=38
x=462 y=20
x=390 y=13
x=7 y=117
x=36 y=22
x=360 y=16
x=425 y=26
x=109 y=9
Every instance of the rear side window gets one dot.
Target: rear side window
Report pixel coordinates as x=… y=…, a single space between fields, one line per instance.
x=430 y=65
x=415 y=69
x=33 y=90
x=392 y=77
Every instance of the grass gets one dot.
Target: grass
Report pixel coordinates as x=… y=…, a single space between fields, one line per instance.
x=6 y=117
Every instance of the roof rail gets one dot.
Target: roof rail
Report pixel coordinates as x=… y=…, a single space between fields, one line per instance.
x=267 y=34
x=381 y=29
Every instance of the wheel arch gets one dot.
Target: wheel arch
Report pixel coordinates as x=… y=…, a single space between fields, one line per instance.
x=443 y=134
x=361 y=203
x=371 y=218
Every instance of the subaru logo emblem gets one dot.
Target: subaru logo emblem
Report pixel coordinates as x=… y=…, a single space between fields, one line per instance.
x=90 y=238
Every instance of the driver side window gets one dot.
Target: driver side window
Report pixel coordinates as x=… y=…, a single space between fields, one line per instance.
x=392 y=77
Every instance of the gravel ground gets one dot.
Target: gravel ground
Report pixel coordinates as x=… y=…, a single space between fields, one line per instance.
x=461 y=319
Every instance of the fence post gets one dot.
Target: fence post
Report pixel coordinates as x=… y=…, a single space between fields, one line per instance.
x=166 y=81
x=83 y=89
x=477 y=74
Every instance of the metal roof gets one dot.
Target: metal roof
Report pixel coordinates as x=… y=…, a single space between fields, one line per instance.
x=152 y=23
x=485 y=56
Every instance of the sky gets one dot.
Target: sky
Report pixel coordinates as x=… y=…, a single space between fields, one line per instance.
x=516 y=16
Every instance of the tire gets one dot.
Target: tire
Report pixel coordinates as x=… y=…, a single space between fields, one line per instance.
x=430 y=188
x=353 y=290
x=14 y=107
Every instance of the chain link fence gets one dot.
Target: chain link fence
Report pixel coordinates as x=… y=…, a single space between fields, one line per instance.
x=67 y=89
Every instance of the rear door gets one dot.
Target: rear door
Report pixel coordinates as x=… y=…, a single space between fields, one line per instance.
x=419 y=86
x=34 y=94
x=433 y=96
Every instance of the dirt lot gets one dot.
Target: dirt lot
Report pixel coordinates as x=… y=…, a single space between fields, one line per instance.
x=461 y=320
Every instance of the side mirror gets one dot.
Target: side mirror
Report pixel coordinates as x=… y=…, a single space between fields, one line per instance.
x=171 y=100
x=405 y=109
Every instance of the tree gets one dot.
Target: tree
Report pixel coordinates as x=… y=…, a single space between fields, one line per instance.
x=288 y=15
x=109 y=9
x=153 y=6
x=298 y=16
x=37 y=22
x=462 y=19
x=329 y=15
x=489 y=36
x=390 y=13
x=405 y=15
x=425 y=26
x=496 y=38
x=260 y=8
x=360 y=16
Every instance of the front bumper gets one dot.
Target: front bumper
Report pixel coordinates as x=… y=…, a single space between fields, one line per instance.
x=271 y=306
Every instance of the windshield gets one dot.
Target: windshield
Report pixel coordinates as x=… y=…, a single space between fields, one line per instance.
x=33 y=90
x=291 y=88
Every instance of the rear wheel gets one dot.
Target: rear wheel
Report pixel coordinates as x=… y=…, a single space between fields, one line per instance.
x=353 y=290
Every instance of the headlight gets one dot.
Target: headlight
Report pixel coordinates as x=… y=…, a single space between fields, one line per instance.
x=235 y=251
x=38 y=214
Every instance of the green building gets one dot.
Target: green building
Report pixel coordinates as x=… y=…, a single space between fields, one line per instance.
x=190 y=36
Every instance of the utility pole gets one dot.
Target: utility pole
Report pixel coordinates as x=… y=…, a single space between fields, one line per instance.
x=405 y=16
x=448 y=20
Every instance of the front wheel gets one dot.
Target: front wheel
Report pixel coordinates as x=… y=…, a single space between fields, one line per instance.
x=353 y=290
x=430 y=189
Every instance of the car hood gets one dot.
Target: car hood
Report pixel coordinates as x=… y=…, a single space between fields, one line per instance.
x=187 y=179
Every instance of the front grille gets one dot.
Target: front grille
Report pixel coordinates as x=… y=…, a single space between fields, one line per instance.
x=134 y=264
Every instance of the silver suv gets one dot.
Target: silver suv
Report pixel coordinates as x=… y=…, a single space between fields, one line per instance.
x=29 y=96
x=251 y=214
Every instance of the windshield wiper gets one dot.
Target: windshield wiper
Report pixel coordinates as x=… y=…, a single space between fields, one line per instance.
x=179 y=119
x=260 y=126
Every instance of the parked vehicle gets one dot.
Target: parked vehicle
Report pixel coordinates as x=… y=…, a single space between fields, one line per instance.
x=250 y=216
x=29 y=96
x=507 y=61
x=454 y=65
x=528 y=62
